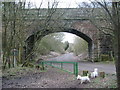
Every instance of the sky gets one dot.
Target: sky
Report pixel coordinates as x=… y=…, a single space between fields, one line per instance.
x=62 y=3
x=69 y=37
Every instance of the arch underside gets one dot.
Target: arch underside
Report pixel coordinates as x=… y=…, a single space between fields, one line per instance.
x=31 y=38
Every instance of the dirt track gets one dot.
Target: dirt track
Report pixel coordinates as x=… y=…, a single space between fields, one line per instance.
x=55 y=78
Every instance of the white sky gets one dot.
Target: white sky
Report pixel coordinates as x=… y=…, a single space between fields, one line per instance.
x=69 y=37
x=62 y=3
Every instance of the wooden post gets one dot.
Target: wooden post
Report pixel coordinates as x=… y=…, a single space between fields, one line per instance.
x=19 y=56
x=102 y=74
x=85 y=72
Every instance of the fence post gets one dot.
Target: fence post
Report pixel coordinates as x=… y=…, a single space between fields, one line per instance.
x=42 y=65
x=61 y=65
x=76 y=69
x=51 y=63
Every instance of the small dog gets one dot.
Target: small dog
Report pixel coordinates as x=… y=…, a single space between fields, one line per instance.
x=95 y=73
x=83 y=78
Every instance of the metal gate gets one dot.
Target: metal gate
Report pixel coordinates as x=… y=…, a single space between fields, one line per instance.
x=52 y=63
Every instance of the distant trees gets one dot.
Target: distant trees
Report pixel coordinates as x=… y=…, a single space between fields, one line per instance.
x=51 y=42
x=66 y=45
x=55 y=42
x=79 y=46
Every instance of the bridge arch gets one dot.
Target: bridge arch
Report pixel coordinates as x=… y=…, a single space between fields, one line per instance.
x=30 y=40
x=98 y=42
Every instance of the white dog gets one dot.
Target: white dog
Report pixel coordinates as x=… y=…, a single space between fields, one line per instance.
x=83 y=78
x=95 y=73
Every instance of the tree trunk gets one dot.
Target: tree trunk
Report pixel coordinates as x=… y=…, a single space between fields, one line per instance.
x=118 y=62
x=116 y=23
x=117 y=50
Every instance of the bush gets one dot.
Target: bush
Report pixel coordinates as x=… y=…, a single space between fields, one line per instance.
x=105 y=57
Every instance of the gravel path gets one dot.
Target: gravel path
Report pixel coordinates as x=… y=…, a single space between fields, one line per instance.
x=83 y=65
x=65 y=57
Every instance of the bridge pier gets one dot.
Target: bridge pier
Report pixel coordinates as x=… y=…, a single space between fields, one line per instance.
x=90 y=51
x=102 y=48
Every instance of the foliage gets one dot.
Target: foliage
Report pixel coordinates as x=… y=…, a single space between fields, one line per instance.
x=105 y=57
x=79 y=46
x=51 y=42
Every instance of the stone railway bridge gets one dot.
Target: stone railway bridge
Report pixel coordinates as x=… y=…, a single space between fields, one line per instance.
x=73 y=21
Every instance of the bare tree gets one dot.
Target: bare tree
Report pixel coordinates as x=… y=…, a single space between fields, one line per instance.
x=106 y=17
x=116 y=23
x=49 y=21
x=14 y=31
x=19 y=22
